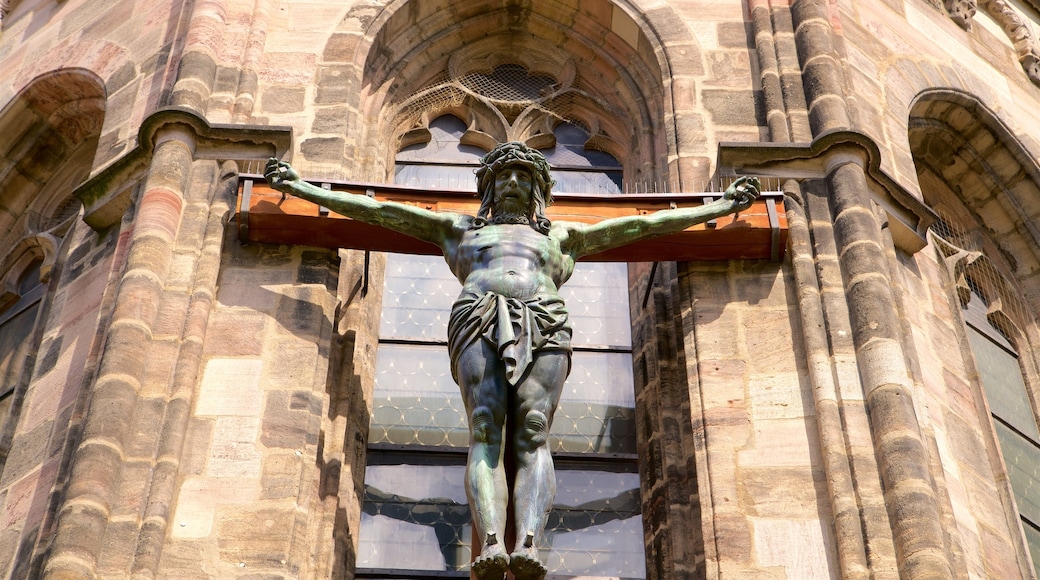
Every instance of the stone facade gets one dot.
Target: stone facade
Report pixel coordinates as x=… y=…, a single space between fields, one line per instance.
x=189 y=406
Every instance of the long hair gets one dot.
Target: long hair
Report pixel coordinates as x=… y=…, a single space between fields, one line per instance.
x=515 y=153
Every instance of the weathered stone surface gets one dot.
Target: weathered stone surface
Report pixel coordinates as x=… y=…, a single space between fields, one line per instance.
x=291 y=419
x=255 y=537
x=281 y=100
x=728 y=411
x=230 y=387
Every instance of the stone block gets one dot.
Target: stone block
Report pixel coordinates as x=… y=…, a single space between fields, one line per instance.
x=198 y=499
x=803 y=548
x=317 y=267
x=720 y=333
x=782 y=443
x=9 y=540
x=230 y=387
x=763 y=283
x=145 y=427
x=335 y=120
x=732 y=107
x=323 y=149
x=235 y=333
x=302 y=311
x=256 y=537
x=26 y=500
x=85 y=14
x=254 y=288
x=780 y=396
x=233 y=452
x=690 y=131
x=729 y=69
x=341 y=47
x=287 y=69
x=157 y=370
x=733 y=538
x=281 y=476
x=736 y=35
x=770 y=344
x=118 y=549
x=282 y=100
x=335 y=84
x=292 y=420
x=722 y=382
x=783 y=492
x=290 y=363
x=314 y=16
x=28 y=450
x=999 y=553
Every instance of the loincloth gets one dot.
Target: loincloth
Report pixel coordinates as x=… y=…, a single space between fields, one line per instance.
x=516 y=329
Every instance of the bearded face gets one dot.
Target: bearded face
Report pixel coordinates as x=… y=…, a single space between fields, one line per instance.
x=512 y=195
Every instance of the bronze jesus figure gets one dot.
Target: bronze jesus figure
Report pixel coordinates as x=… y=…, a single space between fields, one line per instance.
x=508 y=335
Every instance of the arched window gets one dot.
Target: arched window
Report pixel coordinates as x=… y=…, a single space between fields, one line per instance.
x=17 y=322
x=993 y=312
x=1000 y=372
x=415 y=500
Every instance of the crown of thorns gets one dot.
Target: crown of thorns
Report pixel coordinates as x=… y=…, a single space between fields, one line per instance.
x=515 y=153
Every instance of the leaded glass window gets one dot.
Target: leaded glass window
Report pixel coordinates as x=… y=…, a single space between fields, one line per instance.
x=1017 y=434
x=16 y=328
x=415 y=500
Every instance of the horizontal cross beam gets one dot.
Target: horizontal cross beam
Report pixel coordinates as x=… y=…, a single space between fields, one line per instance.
x=759 y=232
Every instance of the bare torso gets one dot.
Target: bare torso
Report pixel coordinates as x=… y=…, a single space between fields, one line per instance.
x=511 y=260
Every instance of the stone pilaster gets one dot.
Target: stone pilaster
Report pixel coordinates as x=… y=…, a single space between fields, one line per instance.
x=96 y=475
x=115 y=509
x=845 y=504
x=821 y=70
x=902 y=457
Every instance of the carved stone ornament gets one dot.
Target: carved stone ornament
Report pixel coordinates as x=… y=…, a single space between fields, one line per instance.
x=961 y=11
x=1026 y=47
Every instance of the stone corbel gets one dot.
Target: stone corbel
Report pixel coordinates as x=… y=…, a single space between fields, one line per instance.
x=909 y=218
x=961 y=11
x=108 y=194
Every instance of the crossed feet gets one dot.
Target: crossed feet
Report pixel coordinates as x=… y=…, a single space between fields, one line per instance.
x=493 y=562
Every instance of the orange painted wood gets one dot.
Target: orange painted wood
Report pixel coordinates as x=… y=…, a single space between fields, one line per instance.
x=272 y=219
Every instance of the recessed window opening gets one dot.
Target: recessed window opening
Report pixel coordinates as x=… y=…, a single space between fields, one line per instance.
x=415 y=501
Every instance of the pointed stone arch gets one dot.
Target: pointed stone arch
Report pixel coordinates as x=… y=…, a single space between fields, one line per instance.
x=964 y=149
x=395 y=49
x=53 y=126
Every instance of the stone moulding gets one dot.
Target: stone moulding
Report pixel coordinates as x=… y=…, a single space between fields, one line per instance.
x=909 y=218
x=108 y=194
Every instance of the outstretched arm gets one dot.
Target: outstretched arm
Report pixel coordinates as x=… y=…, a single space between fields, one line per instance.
x=417 y=222
x=586 y=239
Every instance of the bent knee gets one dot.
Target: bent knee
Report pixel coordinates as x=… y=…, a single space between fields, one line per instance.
x=482 y=426
x=534 y=431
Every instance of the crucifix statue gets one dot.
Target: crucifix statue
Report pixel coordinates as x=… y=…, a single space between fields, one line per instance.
x=509 y=339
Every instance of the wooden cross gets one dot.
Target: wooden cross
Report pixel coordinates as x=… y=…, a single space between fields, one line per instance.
x=759 y=232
